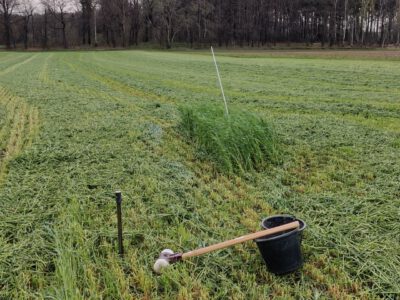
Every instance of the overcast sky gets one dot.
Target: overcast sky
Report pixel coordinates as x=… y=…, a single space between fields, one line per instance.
x=37 y=4
x=39 y=7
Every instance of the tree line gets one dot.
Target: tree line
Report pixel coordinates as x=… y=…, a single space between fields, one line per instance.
x=198 y=23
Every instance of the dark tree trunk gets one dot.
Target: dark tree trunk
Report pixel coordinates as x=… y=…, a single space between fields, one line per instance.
x=26 y=31
x=7 y=31
x=45 y=36
x=64 y=35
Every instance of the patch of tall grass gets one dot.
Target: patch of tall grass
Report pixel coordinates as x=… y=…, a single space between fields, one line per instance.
x=236 y=143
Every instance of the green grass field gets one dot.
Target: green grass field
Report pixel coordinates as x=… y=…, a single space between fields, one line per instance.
x=76 y=126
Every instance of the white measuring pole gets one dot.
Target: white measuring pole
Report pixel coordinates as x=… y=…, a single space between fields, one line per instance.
x=220 y=82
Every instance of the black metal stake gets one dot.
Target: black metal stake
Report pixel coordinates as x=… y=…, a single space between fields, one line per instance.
x=118 y=198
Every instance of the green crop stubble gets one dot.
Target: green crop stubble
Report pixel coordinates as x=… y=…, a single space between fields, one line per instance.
x=108 y=120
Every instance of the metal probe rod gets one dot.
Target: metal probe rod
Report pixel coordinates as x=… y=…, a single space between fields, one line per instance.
x=118 y=198
x=220 y=82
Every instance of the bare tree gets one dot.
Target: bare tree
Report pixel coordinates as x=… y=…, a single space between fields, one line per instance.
x=95 y=5
x=26 y=9
x=251 y=23
x=45 y=32
x=7 y=8
x=58 y=9
x=122 y=6
x=148 y=19
x=366 y=7
x=345 y=21
x=135 y=19
x=398 y=22
x=170 y=20
x=87 y=11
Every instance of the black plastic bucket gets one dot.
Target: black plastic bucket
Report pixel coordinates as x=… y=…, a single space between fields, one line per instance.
x=282 y=251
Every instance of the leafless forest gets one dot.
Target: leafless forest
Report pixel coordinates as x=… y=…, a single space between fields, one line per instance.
x=190 y=23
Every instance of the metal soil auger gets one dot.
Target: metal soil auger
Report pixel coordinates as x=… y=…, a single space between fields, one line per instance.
x=279 y=245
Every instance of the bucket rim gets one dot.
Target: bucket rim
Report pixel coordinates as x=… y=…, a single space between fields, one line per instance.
x=303 y=225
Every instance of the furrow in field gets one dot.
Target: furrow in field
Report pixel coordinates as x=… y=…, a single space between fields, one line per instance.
x=19 y=129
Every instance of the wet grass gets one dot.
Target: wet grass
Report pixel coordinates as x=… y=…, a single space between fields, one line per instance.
x=110 y=120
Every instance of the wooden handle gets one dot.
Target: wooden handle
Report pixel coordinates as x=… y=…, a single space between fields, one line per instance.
x=240 y=240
